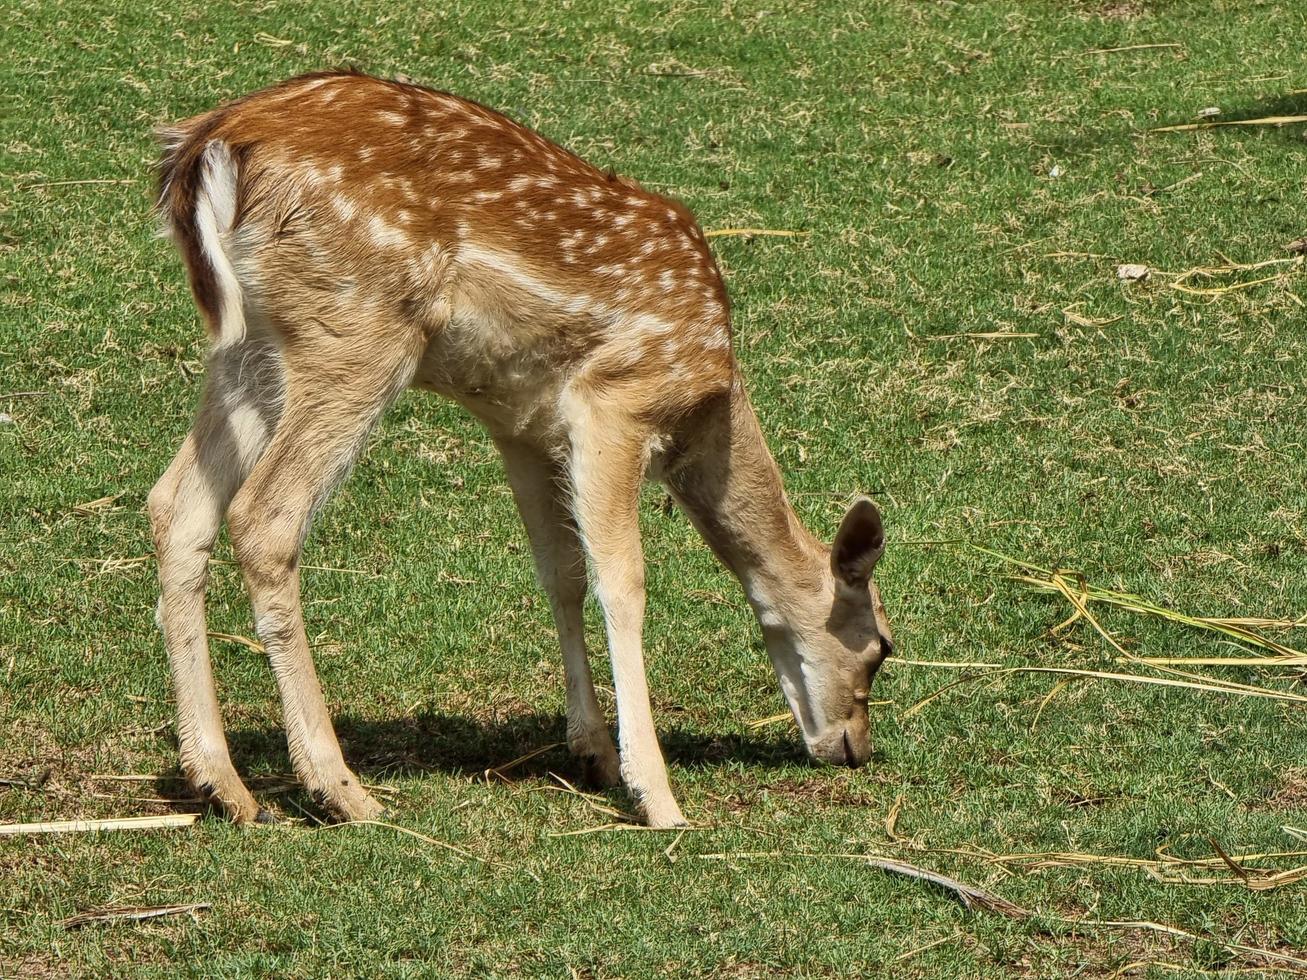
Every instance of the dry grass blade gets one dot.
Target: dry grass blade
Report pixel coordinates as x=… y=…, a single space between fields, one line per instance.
x=413 y=833
x=92 y=826
x=130 y=914
x=601 y=828
x=1262 y=121
x=1056 y=689
x=1228 y=861
x=771 y=720
x=940 y=692
x=1242 y=630
x=1079 y=319
x=244 y=641
x=991 y=335
x=132 y=777
x=1164 y=856
x=1260 y=883
x=76 y=183
x=1078 y=598
x=1230 y=267
x=970 y=896
x=754 y=232
x=592 y=800
x=950 y=664
x=892 y=819
x=97 y=506
x=606 y=828
x=1223 y=687
x=1181 y=280
x=1132 y=47
x=1221 y=290
x=1265 y=954
x=500 y=770
x=1204 y=684
x=931 y=945
x=107 y=566
x=302 y=568
x=1164 y=867
x=669 y=851
x=1258 y=622
x=1224 y=661
x=1277 y=880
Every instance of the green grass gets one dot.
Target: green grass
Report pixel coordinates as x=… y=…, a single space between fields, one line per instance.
x=1159 y=450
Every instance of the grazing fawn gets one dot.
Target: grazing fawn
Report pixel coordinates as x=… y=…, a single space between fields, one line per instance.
x=347 y=238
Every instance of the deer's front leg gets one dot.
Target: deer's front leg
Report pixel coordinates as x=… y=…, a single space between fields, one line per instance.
x=607 y=466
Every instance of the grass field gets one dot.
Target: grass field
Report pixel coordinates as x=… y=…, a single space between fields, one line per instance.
x=950 y=336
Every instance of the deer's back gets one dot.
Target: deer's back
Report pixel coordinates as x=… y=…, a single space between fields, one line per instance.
x=364 y=202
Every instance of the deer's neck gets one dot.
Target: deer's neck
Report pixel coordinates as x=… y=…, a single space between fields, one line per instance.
x=731 y=489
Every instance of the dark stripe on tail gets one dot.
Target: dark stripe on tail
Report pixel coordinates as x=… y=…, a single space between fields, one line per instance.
x=180 y=177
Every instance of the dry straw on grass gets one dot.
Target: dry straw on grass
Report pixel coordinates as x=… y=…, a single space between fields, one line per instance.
x=1247 y=870
x=1213 y=124
x=1181 y=282
x=754 y=233
x=974 y=898
x=131 y=914
x=971 y=897
x=91 y=826
x=1081 y=593
x=1247 y=632
x=443 y=845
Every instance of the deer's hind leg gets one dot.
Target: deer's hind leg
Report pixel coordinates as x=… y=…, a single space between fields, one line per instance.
x=240 y=406
x=335 y=394
x=538 y=484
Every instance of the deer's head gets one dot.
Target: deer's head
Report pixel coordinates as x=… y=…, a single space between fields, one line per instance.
x=830 y=639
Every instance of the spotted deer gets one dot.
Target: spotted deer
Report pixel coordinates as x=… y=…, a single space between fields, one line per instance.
x=348 y=237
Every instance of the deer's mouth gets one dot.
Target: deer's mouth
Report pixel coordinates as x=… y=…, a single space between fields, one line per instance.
x=842 y=748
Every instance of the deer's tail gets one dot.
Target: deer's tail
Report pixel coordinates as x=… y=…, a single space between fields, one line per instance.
x=199 y=184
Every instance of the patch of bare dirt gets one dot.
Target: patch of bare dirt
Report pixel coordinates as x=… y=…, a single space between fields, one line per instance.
x=1115 y=9
x=1085 y=954
x=1290 y=794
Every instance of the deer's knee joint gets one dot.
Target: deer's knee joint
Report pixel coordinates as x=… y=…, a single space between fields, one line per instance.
x=620 y=584
x=623 y=600
x=183 y=554
x=159 y=505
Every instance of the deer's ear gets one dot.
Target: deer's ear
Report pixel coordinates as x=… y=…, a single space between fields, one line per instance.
x=858 y=545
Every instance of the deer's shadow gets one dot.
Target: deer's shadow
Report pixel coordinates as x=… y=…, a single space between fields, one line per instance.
x=524 y=747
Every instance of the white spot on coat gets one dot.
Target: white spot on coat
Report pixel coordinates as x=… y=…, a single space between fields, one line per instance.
x=343 y=206
x=384 y=234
